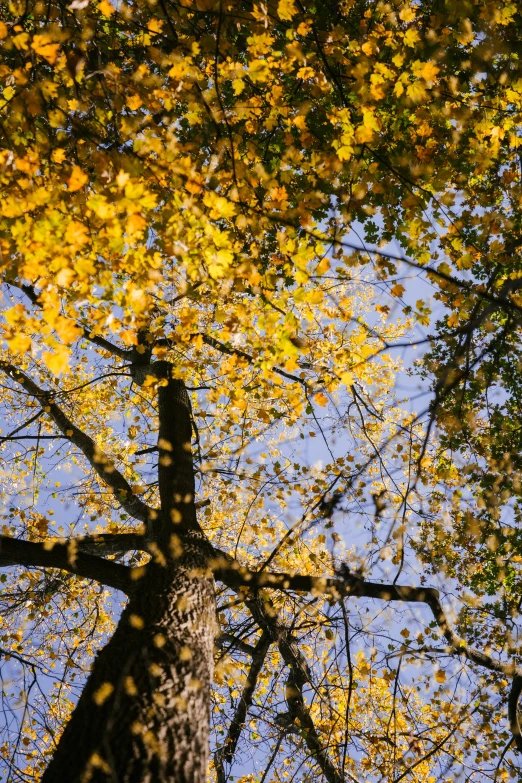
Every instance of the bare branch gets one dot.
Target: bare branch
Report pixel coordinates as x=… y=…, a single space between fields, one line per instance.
x=234 y=644
x=266 y=617
x=10 y=435
x=225 y=754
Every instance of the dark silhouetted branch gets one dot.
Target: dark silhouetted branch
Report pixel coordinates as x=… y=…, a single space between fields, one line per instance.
x=225 y=754
x=66 y=557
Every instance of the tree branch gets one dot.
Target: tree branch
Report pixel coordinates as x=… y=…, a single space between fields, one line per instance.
x=300 y=675
x=222 y=348
x=300 y=714
x=101 y=464
x=66 y=557
x=225 y=753
x=236 y=577
x=101 y=342
x=112 y=543
x=514 y=723
x=233 y=644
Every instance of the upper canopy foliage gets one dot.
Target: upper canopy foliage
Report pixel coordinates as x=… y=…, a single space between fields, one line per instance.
x=207 y=183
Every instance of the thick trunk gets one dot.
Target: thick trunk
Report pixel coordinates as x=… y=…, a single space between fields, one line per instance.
x=143 y=716
x=144 y=713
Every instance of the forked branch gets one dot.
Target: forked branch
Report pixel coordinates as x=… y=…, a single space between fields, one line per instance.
x=225 y=754
x=299 y=675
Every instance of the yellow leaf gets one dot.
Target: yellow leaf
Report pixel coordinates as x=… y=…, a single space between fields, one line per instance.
x=416 y=92
x=429 y=71
x=363 y=134
x=466 y=34
x=133 y=102
x=21 y=41
x=155 y=26
x=122 y=178
x=321 y=399
x=220 y=263
x=84 y=267
x=407 y=13
x=260 y=44
x=77 y=179
x=105 y=8
x=135 y=224
x=305 y=73
x=3 y=30
x=411 y=37
x=465 y=261
x=259 y=71
x=49 y=89
x=424 y=129
x=67 y=330
x=56 y=118
x=453 y=319
x=103 y=693
x=15 y=315
x=440 y=676
x=286 y=10
x=76 y=234
x=42 y=45
x=238 y=85
x=65 y=277
x=57 y=362
x=179 y=71
x=345 y=152
x=219 y=207
x=397 y=290
x=20 y=343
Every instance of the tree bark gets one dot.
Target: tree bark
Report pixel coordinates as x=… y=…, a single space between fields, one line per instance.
x=143 y=716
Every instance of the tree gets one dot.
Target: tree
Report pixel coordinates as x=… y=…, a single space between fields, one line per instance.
x=186 y=316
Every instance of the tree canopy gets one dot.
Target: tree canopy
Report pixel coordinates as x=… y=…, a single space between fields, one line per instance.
x=221 y=225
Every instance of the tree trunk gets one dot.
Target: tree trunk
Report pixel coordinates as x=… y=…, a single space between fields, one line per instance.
x=143 y=716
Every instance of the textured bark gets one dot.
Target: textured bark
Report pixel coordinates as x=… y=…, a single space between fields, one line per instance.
x=143 y=716
x=175 y=466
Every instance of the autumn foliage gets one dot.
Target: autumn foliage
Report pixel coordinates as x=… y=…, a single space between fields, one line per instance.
x=223 y=226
